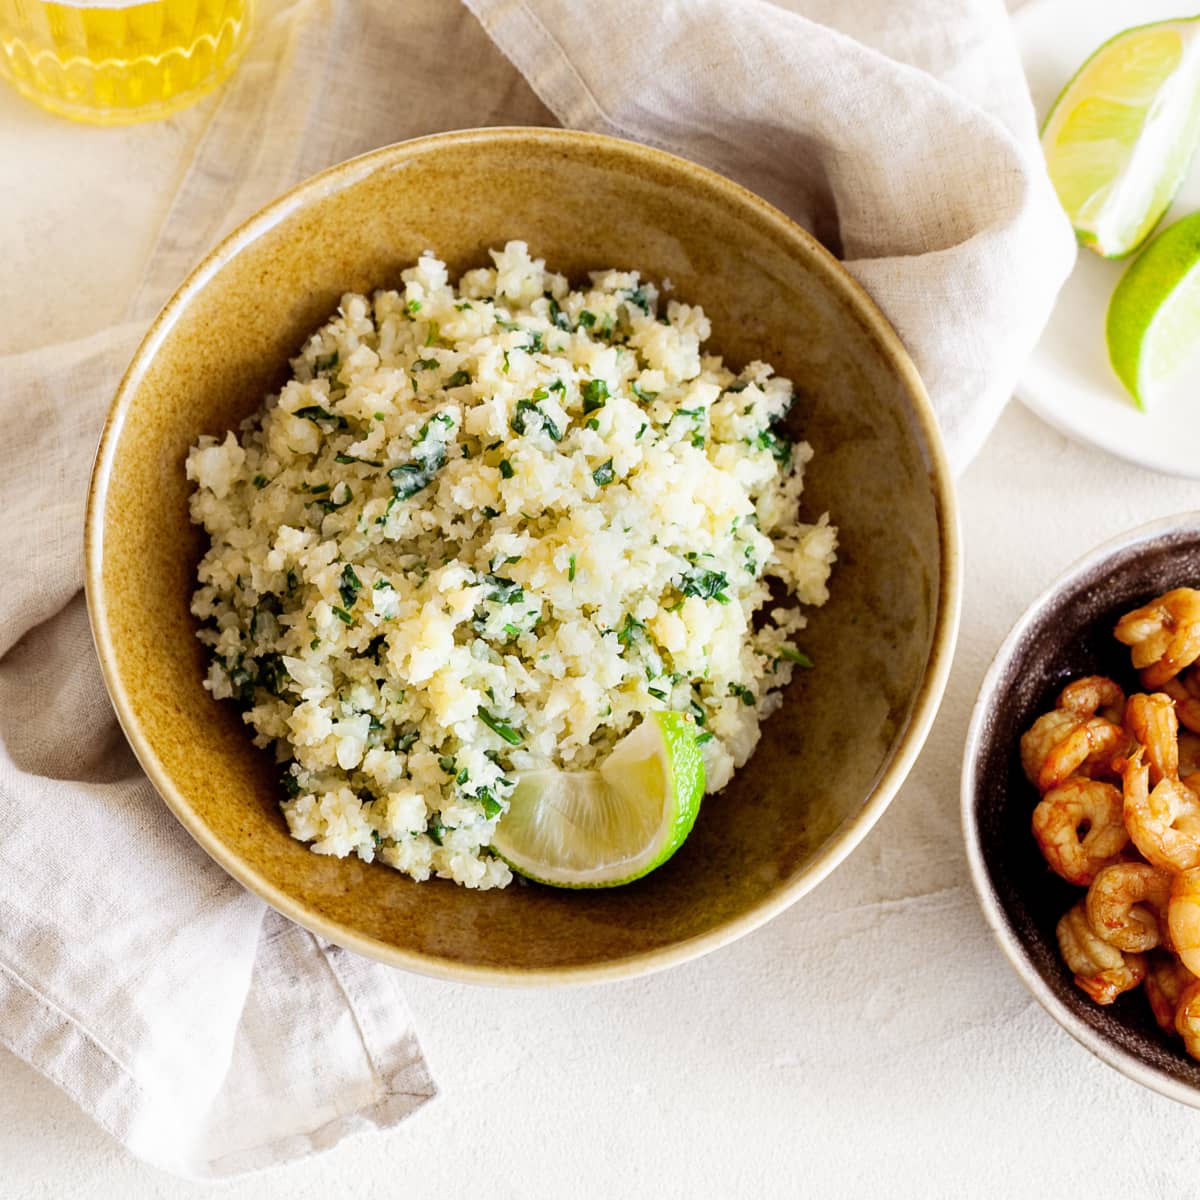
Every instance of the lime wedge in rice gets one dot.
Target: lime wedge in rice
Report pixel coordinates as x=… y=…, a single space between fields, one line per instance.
x=1153 y=324
x=601 y=828
x=1122 y=132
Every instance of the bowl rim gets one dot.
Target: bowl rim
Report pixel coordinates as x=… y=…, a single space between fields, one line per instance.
x=907 y=744
x=1013 y=948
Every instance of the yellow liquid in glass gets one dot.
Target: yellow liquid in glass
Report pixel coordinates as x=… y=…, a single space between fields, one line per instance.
x=123 y=62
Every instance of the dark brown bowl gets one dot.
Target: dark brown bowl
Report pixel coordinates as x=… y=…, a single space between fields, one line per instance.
x=1067 y=632
x=829 y=760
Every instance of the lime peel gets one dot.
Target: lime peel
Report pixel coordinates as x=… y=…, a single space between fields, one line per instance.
x=1120 y=135
x=602 y=828
x=1153 y=323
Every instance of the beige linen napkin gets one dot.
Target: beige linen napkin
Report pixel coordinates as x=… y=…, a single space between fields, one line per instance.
x=207 y=1033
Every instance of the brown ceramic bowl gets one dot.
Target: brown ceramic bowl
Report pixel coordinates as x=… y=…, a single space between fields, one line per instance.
x=829 y=762
x=1066 y=633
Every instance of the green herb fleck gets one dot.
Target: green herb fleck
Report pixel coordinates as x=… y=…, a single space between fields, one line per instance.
x=426 y=364
x=743 y=693
x=595 y=393
x=260 y=481
x=342 y=615
x=350 y=586
x=780 y=448
x=322 y=418
x=520 y=420
x=498 y=727
x=571 y=569
x=504 y=591
x=346 y=459
x=459 y=379
x=506 y=469
x=797 y=656
x=708 y=585
x=603 y=475
x=332 y=505
x=630 y=631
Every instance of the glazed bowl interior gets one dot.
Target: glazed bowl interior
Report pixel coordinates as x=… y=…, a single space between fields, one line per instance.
x=582 y=202
x=1067 y=633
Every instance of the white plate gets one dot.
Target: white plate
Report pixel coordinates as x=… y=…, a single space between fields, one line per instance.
x=1069 y=382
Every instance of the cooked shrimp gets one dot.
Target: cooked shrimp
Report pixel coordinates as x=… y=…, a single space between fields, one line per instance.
x=1187 y=1018
x=1164 y=635
x=1184 y=689
x=1042 y=736
x=1152 y=722
x=1183 y=917
x=1094 y=694
x=1101 y=970
x=1164 y=824
x=1079 y=829
x=1166 y=977
x=1189 y=752
x=1127 y=905
x=1088 y=750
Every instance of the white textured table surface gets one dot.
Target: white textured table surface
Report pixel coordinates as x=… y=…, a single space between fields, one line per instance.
x=872 y=1039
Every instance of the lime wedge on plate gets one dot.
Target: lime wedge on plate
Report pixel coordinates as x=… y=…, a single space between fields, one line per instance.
x=601 y=828
x=1121 y=134
x=1153 y=325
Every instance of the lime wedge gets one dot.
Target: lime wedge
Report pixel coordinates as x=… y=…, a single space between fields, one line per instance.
x=602 y=828
x=1121 y=134
x=1153 y=325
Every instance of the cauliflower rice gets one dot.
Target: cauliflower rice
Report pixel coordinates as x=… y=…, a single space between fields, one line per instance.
x=486 y=530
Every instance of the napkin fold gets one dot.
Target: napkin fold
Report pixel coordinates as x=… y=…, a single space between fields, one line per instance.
x=902 y=135
x=204 y=1031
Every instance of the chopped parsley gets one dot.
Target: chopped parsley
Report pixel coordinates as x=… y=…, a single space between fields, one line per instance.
x=322 y=418
x=797 y=656
x=332 y=504
x=708 y=585
x=558 y=318
x=498 y=727
x=630 y=631
x=520 y=420
x=506 y=469
x=260 y=481
x=350 y=586
x=780 y=448
x=743 y=693
x=342 y=615
x=638 y=298
x=346 y=459
x=426 y=364
x=571 y=569
x=459 y=379
x=595 y=393
x=504 y=591
x=603 y=475
x=412 y=477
